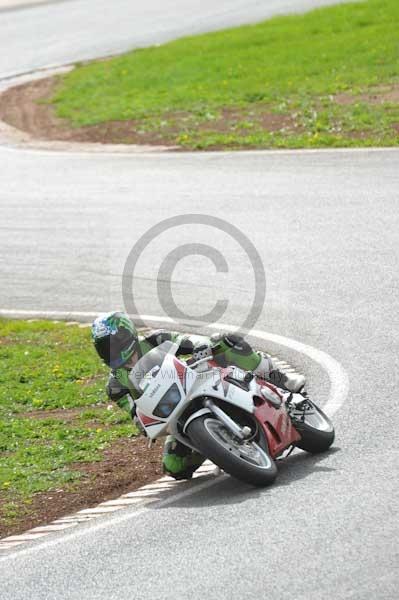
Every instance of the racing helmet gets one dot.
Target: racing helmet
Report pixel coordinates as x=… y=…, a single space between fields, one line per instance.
x=115 y=339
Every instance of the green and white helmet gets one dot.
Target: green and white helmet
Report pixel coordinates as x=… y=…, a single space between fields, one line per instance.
x=115 y=338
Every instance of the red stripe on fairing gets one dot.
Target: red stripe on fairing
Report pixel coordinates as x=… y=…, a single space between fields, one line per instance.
x=147 y=420
x=181 y=371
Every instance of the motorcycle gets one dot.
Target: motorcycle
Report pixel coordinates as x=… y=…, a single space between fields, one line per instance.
x=238 y=421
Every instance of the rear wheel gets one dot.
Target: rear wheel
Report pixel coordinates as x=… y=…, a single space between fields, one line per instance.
x=316 y=429
x=247 y=461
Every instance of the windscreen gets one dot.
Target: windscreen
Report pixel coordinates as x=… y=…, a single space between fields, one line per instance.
x=149 y=365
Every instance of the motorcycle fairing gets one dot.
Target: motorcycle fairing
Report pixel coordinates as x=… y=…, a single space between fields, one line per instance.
x=213 y=383
x=157 y=387
x=218 y=383
x=276 y=423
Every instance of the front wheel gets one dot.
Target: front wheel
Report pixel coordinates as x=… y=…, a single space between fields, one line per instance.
x=247 y=461
x=315 y=428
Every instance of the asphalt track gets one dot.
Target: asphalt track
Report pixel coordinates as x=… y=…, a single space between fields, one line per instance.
x=326 y=226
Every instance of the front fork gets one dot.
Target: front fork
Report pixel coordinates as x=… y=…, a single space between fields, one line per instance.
x=210 y=408
x=242 y=433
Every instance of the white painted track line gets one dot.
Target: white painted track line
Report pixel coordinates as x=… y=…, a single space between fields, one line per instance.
x=124 y=515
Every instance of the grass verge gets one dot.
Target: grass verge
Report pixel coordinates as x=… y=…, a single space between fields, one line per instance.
x=326 y=78
x=54 y=423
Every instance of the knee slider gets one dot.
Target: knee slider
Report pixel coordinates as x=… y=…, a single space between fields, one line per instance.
x=115 y=391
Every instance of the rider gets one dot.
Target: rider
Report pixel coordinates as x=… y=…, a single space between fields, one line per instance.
x=118 y=344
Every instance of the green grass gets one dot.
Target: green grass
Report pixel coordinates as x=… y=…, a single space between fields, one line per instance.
x=212 y=90
x=46 y=366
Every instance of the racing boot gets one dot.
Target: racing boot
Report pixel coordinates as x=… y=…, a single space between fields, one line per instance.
x=267 y=369
x=179 y=461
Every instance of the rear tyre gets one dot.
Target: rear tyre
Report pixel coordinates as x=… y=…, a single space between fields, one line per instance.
x=249 y=462
x=316 y=429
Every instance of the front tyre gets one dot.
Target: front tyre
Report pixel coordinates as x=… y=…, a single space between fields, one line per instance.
x=315 y=428
x=247 y=461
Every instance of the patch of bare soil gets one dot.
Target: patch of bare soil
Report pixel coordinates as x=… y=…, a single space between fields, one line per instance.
x=24 y=107
x=378 y=95
x=127 y=465
x=64 y=414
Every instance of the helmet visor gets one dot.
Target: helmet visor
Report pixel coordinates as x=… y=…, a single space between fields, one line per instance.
x=115 y=350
